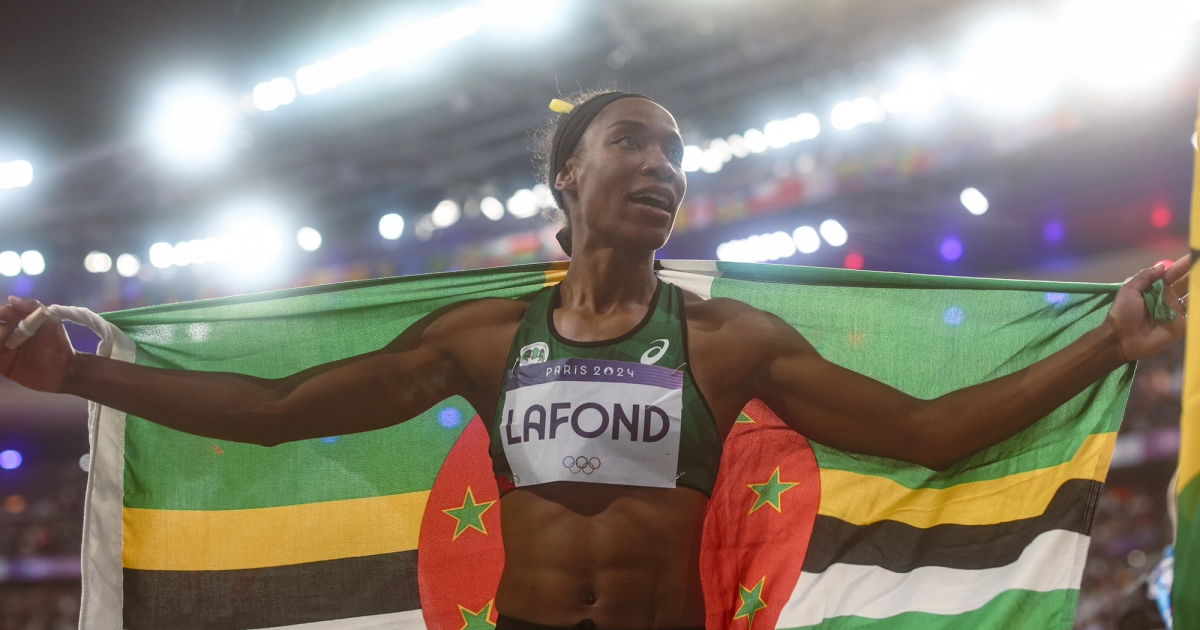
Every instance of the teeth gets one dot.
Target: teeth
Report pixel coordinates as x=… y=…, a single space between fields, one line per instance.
x=660 y=201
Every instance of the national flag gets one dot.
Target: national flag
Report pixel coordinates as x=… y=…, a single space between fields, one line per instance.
x=1186 y=589
x=399 y=528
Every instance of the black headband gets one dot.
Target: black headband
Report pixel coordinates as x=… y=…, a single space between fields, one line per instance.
x=570 y=129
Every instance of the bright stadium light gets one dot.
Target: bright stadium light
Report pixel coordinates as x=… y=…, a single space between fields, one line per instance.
x=181 y=254
x=10 y=263
x=756 y=141
x=128 y=265
x=806 y=126
x=32 y=263
x=445 y=214
x=543 y=196
x=721 y=148
x=97 y=262
x=780 y=133
x=492 y=208
x=193 y=127
x=400 y=46
x=737 y=146
x=807 y=240
x=391 y=226
x=309 y=239
x=833 y=232
x=523 y=204
x=1118 y=46
x=918 y=88
x=693 y=158
x=759 y=248
x=16 y=174
x=861 y=111
x=776 y=133
x=519 y=18
x=162 y=255
x=713 y=161
x=974 y=201
x=269 y=95
x=1008 y=68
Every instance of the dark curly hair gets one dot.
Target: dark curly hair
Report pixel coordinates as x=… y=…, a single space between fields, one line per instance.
x=543 y=141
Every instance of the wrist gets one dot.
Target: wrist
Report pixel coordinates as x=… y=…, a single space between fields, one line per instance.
x=74 y=374
x=1107 y=344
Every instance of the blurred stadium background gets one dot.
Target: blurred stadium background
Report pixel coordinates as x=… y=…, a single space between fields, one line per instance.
x=153 y=152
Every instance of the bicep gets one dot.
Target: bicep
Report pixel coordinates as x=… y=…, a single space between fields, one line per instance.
x=832 y=404
x=374 y=390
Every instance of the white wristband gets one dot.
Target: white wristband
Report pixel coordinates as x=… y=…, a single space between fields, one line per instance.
x=27 y=328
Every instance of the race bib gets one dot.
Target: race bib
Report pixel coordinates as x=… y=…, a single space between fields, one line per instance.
x=594 y=421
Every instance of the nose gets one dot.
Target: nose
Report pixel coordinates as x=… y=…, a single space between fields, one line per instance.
x=660 y=168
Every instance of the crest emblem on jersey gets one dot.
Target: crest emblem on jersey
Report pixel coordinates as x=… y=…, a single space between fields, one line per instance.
x=536 y=352
x=651 y=356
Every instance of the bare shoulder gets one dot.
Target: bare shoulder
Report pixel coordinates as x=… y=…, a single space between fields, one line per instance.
x=481 y=313
x=729 y=319
x=468 y=328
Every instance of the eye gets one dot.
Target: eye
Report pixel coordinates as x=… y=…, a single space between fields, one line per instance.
x=629 y=142
x=675 y=155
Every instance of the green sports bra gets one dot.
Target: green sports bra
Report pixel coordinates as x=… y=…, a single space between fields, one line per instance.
x=624 y=411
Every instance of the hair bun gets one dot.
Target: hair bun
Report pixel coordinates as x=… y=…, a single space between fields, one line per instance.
x=564 y=239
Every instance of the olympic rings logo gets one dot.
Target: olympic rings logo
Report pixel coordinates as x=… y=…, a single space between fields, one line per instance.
x=581 y=464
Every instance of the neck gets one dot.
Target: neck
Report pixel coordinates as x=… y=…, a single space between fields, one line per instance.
x=602 y=279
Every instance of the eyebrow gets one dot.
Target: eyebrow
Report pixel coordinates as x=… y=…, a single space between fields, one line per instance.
x=642 y=125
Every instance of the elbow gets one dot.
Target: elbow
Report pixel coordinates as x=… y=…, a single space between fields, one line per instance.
x=934 y=444
x=266 y=424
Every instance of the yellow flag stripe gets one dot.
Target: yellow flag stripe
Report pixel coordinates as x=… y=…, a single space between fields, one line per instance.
x=198 y=540
x=555 y=274
x=864 y=499
x=1189 y=447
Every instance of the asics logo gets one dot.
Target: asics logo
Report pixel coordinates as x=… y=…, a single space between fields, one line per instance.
x=651 y=356
x=581 y=464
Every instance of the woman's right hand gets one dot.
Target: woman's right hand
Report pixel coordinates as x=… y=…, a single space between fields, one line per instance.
x=42 y=362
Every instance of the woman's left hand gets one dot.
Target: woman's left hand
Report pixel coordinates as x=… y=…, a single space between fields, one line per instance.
x=1139 y=335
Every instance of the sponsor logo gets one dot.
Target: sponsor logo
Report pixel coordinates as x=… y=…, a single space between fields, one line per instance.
x=651 y=356
x=536 y=352
x=581 y=464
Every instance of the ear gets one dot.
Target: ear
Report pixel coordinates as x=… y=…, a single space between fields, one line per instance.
x=566 y=179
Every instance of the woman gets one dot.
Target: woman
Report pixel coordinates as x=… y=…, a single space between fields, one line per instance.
x=607 y=397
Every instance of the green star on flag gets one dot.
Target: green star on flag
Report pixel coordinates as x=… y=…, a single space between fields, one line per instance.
x=469 y=514
x=769 y=493
x=751 y=602
x=476 y=620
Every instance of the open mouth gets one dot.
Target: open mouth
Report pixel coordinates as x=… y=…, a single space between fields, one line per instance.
x=654 y=201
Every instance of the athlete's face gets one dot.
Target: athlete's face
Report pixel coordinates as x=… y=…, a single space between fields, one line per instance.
x=625 y=183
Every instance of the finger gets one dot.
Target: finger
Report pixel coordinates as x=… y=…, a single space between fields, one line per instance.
x=23 y=306
x=1181 y=284
x=1146 y=277
x=1178 y=270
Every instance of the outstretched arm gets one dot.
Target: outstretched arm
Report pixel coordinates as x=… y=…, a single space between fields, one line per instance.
x=850 y=411
x=360 y=393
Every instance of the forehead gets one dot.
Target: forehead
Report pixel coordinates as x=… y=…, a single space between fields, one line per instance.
x=641 y=110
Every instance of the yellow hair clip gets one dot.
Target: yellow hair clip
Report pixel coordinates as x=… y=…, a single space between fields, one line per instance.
x=561 y=106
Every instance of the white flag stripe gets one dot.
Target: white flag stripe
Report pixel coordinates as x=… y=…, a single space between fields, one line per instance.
x=102 y=599
x=1053 y=561
x=696 y=276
